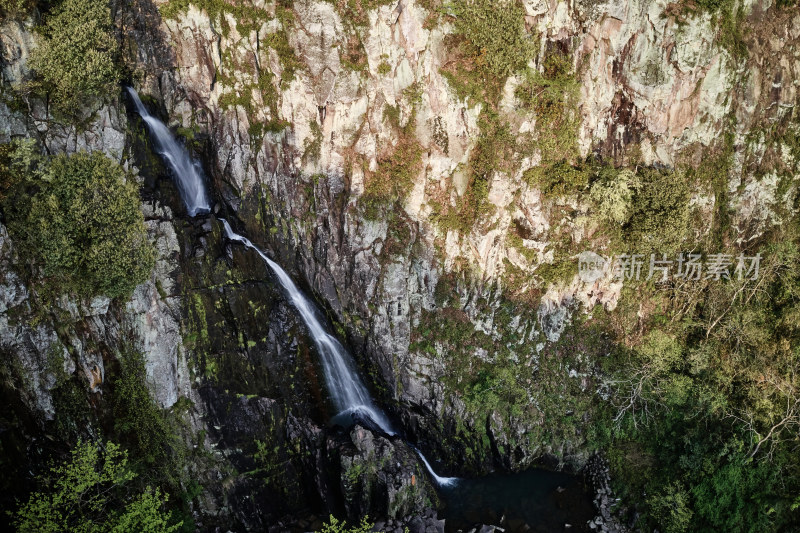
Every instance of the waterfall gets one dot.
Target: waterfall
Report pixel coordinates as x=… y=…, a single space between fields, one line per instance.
x=188 y=174
x=348 y=393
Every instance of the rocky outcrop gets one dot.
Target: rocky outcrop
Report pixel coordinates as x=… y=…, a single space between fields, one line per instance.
x=381 y=478
x=291 y=135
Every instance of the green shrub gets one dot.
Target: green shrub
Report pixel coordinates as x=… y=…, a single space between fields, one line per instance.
x=495 y=34
x=90 y=493
x=489 y=44
x=659 y=218
x=76 y=57
x=136 y=415
x=15 y=8
x=77 y=220
x=334 y=526
x=553 y=95
x=612 y=194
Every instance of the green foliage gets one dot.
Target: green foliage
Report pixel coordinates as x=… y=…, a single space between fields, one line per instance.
x=729 y=18
x=334 y=526
x=355 y=11
x=279 y=41
x=659 y=218
x=313 y=146
x=78 y=221
x=76 y=57
x=559 y=179
x=559 y=272
x=490 y=43
x=397 y=168
x=384 y=68
x=553 y=95
x=394 y=177
x=708 y=399
x=494 y=151
x=495 y=34
x=89 y=493
x=136 y=415
x=15 y=8
x=671 y=508
x=612 y=194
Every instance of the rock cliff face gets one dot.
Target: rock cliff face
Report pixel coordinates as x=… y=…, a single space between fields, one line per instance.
x=652 y=80
x=294 y=111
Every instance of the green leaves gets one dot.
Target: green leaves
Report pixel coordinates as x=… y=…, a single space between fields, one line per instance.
x=76 y=58
x=82 y=227
x=334 y=526
x=81 y=492
x=659 y=219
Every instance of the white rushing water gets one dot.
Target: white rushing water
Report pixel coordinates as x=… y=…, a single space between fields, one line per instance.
x=348 y=393
x=187 y=172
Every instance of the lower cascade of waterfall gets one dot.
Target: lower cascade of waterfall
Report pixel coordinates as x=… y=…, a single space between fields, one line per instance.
x=348 y=392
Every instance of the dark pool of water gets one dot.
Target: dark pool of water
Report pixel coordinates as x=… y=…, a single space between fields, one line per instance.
x=536 y=500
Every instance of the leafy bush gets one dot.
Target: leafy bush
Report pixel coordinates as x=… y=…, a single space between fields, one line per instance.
x=494 y=33
x=659 y=218
x=612 y=194
x=77 y=220
x=76 y=58
x=88 y=493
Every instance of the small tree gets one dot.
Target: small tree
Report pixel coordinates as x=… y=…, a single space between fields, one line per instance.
x=77 y=219
x=76 y=57
x=87 y=494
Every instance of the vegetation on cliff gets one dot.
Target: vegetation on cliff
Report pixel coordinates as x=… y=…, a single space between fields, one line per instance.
x=77 y=222
x=91 y=492
x=76 y=60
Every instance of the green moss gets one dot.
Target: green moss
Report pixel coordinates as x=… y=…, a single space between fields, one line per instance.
x=384 y=68
x=560 y=179
x=356 y=12
x=559 y=272
x=729 y=19
x=313 y=146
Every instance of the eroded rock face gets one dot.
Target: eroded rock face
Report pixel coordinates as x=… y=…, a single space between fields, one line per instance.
x=215 y=331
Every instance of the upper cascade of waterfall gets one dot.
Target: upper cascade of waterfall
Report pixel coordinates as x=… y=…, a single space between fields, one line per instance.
x=188 y=174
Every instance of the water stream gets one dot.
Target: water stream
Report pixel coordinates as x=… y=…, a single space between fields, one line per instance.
x=348 y=393
x=187 y=173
